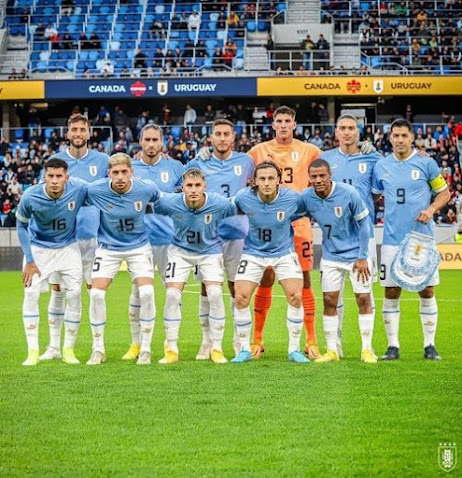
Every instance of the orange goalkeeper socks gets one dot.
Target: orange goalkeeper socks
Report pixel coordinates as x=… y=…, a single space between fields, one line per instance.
x=262 y=304
x=309 y=318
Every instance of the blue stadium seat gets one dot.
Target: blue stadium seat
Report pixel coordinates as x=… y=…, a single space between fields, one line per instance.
x=19 y=134
x=251 y=26
x=176 y=131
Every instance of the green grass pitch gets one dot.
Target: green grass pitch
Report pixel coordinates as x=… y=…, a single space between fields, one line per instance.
x=267 y=418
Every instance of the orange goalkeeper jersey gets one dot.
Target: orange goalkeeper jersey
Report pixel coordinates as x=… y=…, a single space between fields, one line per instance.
x=294 y=160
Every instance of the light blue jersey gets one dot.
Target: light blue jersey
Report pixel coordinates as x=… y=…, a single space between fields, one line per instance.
x=122 y=225
x=408 y=187
x=342 y=217
x=356 y=170
x=91 y=167
x=196 y=229
x=51 y=222
x=271 y=233
x=167 y=174
x=227 y=177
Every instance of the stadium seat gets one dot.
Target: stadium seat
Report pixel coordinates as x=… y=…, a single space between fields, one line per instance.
x=251 y=26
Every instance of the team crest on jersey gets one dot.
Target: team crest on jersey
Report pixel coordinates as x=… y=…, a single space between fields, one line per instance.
x=415 y=174
x=138 y=206
x=338 y=211
x=71 y=205
x=295 y=156
x=362 y=167
x=280 y=215
x=208 y=218
x=164 y=176
x=238 y=170
x=93 y=170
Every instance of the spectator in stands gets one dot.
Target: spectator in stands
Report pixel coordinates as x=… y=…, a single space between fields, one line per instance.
x=39 y=34
x=175 y=23
x=50 y=31
x=120 y=120
x=322 y=52
x=84 y=43
x=125 y=73
x=159 y=58
x=95 y=42
x=200 y=49
x=194 y=21
x=190 y=116
x=233 y=19
x=188 y=50
x=307 y=47
x=157 y=30
x=221 y=21
x=323 y=114
x=269 y=45
x=217 y=61
x=67 y=43
x=140 y=61
x=12 y=76
x=107 y=70
x=67 y=7
x=209 y=115
x=301 y=71
x=317 y=140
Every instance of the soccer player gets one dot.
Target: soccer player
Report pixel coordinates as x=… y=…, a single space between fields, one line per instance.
x=408 y=183
x=342 y=216
x=269 y=244
x=293 y=157
x=167 y=174
x=122 y=235
x=349 y=165
x=47 y=233
x=196 y=243
x=226 y=173
x=89 y=165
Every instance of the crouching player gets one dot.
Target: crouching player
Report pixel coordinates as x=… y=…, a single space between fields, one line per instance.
x=342 y=216
x=270 y=243
x=47 y=233
x=122 y=236
x=196 y=243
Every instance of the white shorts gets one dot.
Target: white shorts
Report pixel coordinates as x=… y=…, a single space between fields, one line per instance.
x=232 y=251
x=333 y=277
x=180 y=262
x=373 y=258
x=65 y=264
x=159 y=256
x=251 y=268
x=107 y=262
x=87 y=252
x=387 y=255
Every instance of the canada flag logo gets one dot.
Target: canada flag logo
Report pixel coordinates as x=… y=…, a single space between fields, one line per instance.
x=354 y=86
x=138 y=88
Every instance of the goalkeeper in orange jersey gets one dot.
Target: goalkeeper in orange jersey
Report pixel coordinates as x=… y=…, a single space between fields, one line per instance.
x=294 y=158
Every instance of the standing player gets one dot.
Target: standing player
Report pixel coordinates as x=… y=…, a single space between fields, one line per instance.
x=90 y=165
x=408 y=183
x=269 y=244
x=122 y=235
x=167 y=174
x=342 y=216
x=196 y=243
x=293 y=157
x=226 y=173
x=349 y=165
x=47 y=233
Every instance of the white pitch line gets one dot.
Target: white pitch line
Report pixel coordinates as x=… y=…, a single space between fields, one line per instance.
x=276 y=296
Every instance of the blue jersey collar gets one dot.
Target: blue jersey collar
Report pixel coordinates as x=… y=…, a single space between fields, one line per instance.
x=76 y=159
x=414 y=152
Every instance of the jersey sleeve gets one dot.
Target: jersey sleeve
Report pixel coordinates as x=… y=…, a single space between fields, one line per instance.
x=436 y=180
x=162 y=204
x=377 y=186
x=179 y=169
x=358 y=208
x=229 y=207
x=24 y=212
x=154 y=190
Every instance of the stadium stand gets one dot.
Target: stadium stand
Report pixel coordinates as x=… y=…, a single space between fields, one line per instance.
x=89 y=35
